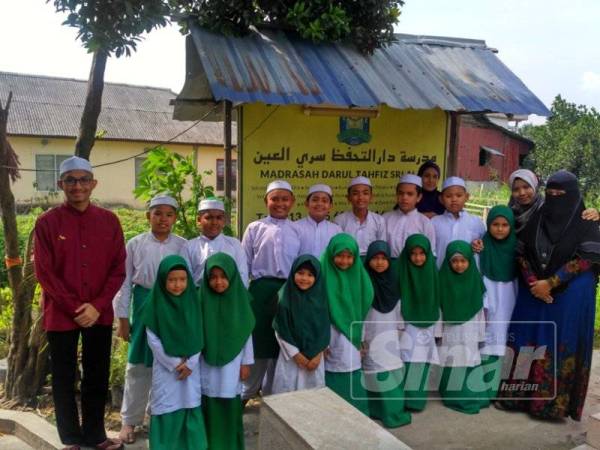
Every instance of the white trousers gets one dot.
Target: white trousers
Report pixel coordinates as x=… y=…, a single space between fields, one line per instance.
x=261 y=378
x=138 y=381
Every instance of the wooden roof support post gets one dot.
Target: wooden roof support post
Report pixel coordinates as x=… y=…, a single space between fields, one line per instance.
x=452 y=161
x=227 y=148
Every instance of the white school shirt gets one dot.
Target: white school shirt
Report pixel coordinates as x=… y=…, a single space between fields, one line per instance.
x=169 y=394
x=314 y=237
x=224 y=381
x=289 y=377
x=460 y=343
x=400 y=226
x=342 y=355
x=449 y=228
x=271 y=245
x=372 y=229
x=144 y=254
x=499 y=301
x=382 y=337
x=196 y=251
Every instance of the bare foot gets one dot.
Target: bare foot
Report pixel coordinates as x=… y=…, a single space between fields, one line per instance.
x=127 y=434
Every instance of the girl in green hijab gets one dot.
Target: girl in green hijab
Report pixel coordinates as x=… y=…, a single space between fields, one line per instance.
x=228 y=353
x=382 y=366
x=349 y=294
x=302 y=328
x=172 y=316
x=461 y=297
x=499 y=270
x=420 y=307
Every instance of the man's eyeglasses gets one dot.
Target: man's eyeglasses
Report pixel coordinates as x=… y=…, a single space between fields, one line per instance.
x=72 y=181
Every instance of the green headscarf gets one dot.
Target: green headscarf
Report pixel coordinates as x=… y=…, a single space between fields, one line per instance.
x=461 y=294
x=385 y=284
x=497 y=258
x=175 y=319
x=419 y=286
x=228 y=317
x=302 y=317
x=349 y=292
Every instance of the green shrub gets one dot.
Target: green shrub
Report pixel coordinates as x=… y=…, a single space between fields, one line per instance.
x=25 y=224
x=118 y=362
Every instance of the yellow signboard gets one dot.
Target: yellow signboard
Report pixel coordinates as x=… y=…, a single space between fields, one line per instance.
x=282 y=142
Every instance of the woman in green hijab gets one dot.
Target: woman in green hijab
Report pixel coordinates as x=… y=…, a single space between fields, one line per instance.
x=172 y=316
x=302 y=328
x=227 y=354
x=420 y=307
x=382 y=366
x=498 y=267
x=349 y=296
x=461 y=297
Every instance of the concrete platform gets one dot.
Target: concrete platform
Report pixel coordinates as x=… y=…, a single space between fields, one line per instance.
x=10 y=442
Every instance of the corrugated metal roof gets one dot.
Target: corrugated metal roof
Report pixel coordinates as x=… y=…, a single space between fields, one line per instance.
x=418 y=72
x=52 y=107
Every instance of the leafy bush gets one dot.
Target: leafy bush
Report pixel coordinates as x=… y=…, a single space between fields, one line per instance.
x=118 y=362
x=25 y=224
x=132 y=221
x=167 y=172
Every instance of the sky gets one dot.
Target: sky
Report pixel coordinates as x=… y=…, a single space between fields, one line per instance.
x=551 y=45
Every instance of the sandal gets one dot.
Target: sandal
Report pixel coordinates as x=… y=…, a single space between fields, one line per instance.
x=127 y=436
x=110 y=444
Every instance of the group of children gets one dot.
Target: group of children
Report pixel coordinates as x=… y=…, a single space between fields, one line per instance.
x=361 y=306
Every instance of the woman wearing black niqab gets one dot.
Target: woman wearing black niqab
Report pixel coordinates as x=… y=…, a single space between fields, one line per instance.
x=554 y=313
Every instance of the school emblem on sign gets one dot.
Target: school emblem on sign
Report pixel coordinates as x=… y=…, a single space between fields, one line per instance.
x=354 y=131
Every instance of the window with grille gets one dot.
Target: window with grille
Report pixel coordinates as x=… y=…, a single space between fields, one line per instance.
x=46 y=174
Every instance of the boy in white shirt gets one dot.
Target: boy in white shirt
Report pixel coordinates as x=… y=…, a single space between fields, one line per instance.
x=271 y=245
x=364 y=225
x=455 y=223
x=144 y=254
x=211 y=221
x=315 y=230
x=406 y=220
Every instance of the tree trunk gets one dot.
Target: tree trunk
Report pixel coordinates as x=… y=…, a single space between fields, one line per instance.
x=93 y=105
x=7 y=206
x=28 y=353
x=27 y=356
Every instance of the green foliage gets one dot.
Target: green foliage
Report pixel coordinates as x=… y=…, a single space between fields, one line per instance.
x=133 y=222
x=25 y=224
x=113 y=26
x=118 y=363
x=570 y=139
x=166 y=172
x=368 y=23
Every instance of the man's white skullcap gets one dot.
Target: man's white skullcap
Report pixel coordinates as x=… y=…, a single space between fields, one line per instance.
x=211 y=203
x=278 y=184
x=411 y=178
x=454 y=181
x=163 y=199
x=360 y=180
x=320 y=188
x=74 y=163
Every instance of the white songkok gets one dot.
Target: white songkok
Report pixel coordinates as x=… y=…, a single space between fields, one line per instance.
x=278 y=184
x=163 y=199
x=411 y=179
x=320 y=188
x=360 y=180
x=526 y=175
x=211 y=203
x=74 y=163
x=454 y=181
